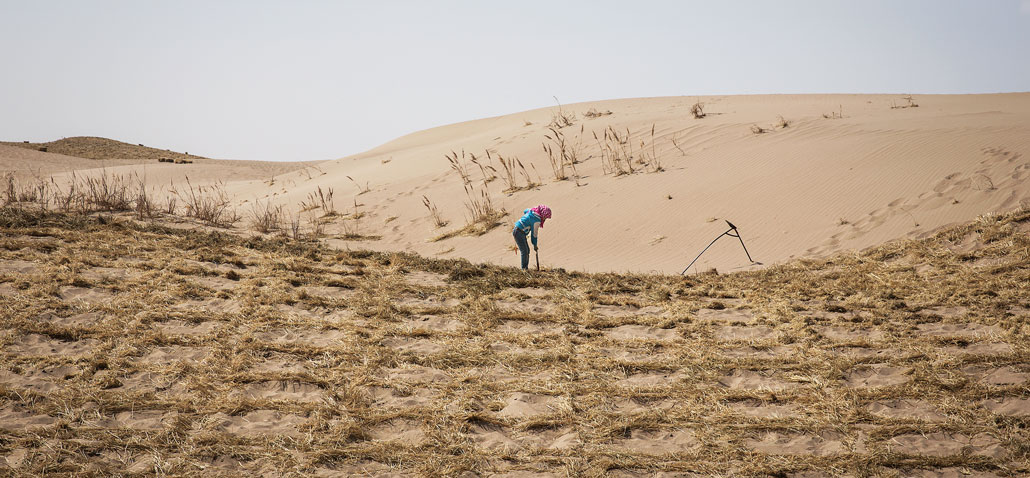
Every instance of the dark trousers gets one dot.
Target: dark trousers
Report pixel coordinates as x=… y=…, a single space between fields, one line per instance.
x=520 y=240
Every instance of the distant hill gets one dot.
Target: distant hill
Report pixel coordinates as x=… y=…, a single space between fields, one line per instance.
x=92 y=147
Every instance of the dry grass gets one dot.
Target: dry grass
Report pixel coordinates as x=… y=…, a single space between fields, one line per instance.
x=210 y=204
x=214 y=354
x=433 y=212
x=909 y=103
x=755 y=129
x=560 y=118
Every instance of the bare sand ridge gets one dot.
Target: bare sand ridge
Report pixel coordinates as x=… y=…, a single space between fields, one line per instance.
x=126 y=347
x=819 y=185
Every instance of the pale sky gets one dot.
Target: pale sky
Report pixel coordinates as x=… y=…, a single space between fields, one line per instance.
x=310 y=80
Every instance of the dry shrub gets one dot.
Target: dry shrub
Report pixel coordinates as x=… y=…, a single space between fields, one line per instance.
x=783 y=123
x=433 y=212
x=265 y=216
x=562 y=153
x=593 y=113
x=210 y=204
x=512 y=168
x=616 y=152
x=561 y=119
x=320 y=200
x=697 y=110
x=459 y=166
x=758 y=129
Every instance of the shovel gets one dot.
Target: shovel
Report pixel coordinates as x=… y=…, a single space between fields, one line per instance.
x=536 y=252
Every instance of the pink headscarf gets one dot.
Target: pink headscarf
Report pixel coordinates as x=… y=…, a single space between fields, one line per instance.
x=544 y=212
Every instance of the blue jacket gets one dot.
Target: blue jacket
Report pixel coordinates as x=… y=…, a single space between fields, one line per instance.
x=529 y=223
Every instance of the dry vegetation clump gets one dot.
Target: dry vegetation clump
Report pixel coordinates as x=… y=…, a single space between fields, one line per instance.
x=210 y=204
x=563 y=154
x=755 y=129
x=909 y=103
x=513 y=170
x=561 y=119
x=783 y=123
x=594 y=113
x=835 y=114
x=697 y=110
x=134 y=349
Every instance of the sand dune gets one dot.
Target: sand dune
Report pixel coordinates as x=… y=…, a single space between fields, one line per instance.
x=847 y=172
x=820 y=185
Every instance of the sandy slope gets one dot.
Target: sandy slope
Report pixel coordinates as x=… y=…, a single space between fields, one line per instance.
x=818 y=186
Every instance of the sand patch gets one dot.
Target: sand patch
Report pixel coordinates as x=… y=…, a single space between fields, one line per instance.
x=907 y=409
x=408 y=432
x=535 y=292
x=147 y=382
x=761 y=353
x=279 y=390
x=36 y=344
x=741 y=379
x=304 y=337
x=729 y=333
x=641 y=332
x=492 y=437
x=819 y=444
x=425 y=302
x=651 y=379
x=29 y=381
x=727 y=315
x=288 y=364
x=17 y=266
x=386 y=397
x=176 y=353
x=257 y=423
x=626 y=310
x=109 y=274
x=419 y=346
x=78 y=320
x=137 y=420
x=865 y=352
x=432 y=323
x=632 y=405
x=84 y=294
x=531 y=305
x=1011 y=406
x=551 y=439
x=950 y=473
x=946 y=444
x=879 y=375
x=423 y=278
x=14 y=418
x=659 y=442
x=947 y=312
x=523 y=327
x=968 y=330
x=189 y=329
x=997 y=376
x=213 y=305
x=847 y=334
x=327 y=292
x=217 y=283
x=996 y=348
x=634 y=355
x=523 y=405
x=759 y=409
x=417 y=374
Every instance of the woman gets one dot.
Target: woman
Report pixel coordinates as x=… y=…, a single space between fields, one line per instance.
x=528 y=225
